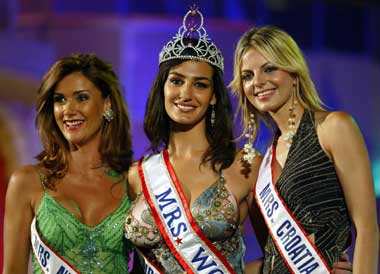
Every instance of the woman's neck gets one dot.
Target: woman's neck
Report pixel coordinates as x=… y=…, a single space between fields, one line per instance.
x=84 y=158
x=281 y=118
x=187 y=143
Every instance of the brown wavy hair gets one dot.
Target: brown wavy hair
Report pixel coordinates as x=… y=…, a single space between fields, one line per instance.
x=221 y=151
x=115 y=145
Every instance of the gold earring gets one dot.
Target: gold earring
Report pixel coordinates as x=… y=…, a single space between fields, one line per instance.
x=288 y=137
x=248 y=150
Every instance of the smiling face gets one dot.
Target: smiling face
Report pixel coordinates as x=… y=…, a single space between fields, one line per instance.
x=188 y=92
x=267 y=87
x=78 y=109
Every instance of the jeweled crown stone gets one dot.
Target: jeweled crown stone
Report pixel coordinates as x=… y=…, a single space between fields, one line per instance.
x=192 y=42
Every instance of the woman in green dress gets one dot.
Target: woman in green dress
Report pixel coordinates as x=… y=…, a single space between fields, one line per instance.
x=75 y=197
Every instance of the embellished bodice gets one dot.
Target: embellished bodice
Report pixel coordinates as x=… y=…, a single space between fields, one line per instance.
x=216 y=213
x=311 y=189
x=100 y=249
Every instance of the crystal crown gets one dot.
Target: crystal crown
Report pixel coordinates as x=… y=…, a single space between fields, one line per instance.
x=192 y=42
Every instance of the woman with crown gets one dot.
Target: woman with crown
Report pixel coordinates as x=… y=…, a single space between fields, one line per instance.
x=192 y=195
x=315 y=177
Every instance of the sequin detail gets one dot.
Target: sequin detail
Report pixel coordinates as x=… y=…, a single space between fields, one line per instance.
x=91 y=250
x=311 y=189
x=215 y=212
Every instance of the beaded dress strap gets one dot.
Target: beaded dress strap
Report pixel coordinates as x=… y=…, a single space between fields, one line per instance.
x=41 y=176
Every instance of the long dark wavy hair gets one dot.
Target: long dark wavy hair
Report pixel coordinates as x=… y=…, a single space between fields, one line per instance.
x=221 y=152
x=115 y=145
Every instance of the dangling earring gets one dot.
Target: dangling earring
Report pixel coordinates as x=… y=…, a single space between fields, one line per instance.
x=108 y=115
x=248 y=150
x=212 y=119
x=291 y=123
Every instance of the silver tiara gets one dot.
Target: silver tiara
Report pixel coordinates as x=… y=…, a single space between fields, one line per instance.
x=192 y=42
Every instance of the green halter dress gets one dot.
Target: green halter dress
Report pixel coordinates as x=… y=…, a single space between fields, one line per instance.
x=100 y=249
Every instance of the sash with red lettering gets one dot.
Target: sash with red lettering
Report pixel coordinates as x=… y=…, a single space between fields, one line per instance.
x=49 y=260
x=298 y=252
x=171 y=212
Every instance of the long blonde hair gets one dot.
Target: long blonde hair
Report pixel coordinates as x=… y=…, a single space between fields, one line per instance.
x=279 y=48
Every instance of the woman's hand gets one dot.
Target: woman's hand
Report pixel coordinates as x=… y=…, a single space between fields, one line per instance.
x=344 y=266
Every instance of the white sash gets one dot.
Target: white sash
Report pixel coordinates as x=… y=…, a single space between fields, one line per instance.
x=48 y=259
x=296 y=249
x=149 y=267
x=169 y=208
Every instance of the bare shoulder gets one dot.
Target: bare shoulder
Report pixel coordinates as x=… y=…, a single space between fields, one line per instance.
x=134 y=180
x=335 y=121
x=333 y=126
x=25 y=177
x=24 y=184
